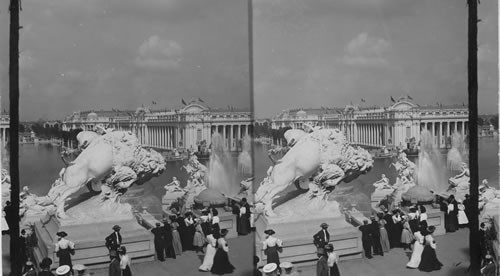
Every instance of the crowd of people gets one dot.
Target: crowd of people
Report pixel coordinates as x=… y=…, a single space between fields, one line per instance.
x=395 y=229
x=188 y=232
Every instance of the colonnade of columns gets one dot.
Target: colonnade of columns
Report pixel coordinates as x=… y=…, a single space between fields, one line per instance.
x=4 y=135
x=442 y=129
x=372 y=134
x=232 y=134
x=188 y=136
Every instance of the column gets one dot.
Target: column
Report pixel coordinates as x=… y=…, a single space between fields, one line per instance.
x=456 y=126
x=440 y=139
x=224 y=135
x=231 y=137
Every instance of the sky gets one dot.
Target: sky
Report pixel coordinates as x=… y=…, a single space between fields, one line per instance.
x=92 y=55
x=313 y=53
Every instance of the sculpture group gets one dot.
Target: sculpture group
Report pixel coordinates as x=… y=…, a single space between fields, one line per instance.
x=108 y=163
x=322 y=157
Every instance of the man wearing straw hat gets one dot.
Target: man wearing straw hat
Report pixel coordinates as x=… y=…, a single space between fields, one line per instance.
x=270 y=269
x=322 y=238
x=81 y=270
x=28 y=269
x=287 y=267
x=63 y=270
x=114 y=240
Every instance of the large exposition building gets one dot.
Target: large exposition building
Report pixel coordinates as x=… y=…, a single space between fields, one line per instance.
x=168 y=129
x=395 y=125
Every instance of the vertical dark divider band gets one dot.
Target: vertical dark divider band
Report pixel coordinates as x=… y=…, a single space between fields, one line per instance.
x=252 y=100
x=14 y=134
x=473 y=138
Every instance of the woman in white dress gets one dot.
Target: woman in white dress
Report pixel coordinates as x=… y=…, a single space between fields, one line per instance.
x=124 y=261
x=423 y=213
x=418 y=247
x=208 y=260
x=462 y=217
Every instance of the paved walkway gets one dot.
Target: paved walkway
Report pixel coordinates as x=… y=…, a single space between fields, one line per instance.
x=452 y=251
x=240 y=255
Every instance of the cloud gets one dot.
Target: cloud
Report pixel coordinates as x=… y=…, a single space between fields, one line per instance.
x=485 y=54
x=26 y=60
x=364 y=61
x=366 y=51
x=156 y=53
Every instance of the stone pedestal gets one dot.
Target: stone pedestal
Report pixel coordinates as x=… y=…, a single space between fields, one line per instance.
x=89 y=241
x=297 y=237
x=378 y=195
x=170 y=198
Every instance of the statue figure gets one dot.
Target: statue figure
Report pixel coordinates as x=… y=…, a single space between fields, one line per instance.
x=461 y=180
x=114 y=159
x=196 y=178
x=405 y=179
x=405 y=168
x=323 y=154
x=382 y=184
x=174 y=186
x=196 y=171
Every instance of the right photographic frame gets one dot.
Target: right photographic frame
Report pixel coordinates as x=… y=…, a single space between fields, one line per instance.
x=362 y=137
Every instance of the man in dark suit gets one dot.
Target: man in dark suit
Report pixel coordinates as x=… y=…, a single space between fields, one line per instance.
x=168 y=244
x=114 y=240
x=322 y=238
x=366 y=238
x=159 y=236
x=377 y=246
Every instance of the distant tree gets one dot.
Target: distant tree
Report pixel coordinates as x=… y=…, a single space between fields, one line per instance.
x=480 y=121
x=494 y=121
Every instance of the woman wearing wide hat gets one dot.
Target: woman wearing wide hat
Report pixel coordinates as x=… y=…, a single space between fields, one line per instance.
x=208 y=259
x=124 y=261
x=63 y=270
x=221 y=259
x=429 y=261
x=271 y=247
x=332 y=260
x=64 y=249
x=176 y=238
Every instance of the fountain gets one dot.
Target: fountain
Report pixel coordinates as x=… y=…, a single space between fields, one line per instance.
x=244 y=158
x=429 y=176
x=455 y=157
x=221 y=174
